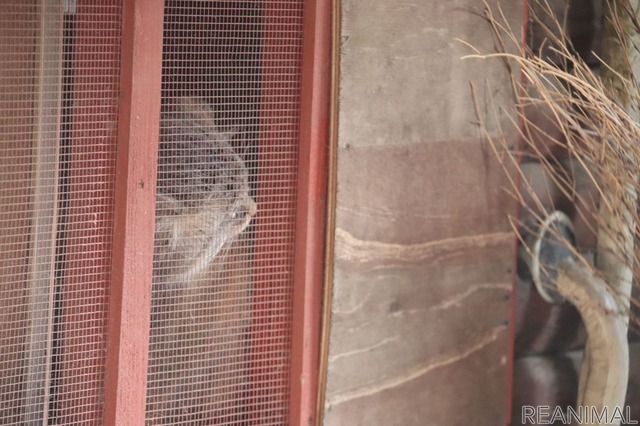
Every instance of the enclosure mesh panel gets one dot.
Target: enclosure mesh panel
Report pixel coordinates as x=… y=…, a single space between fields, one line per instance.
x=58 y=95
x=223 y=260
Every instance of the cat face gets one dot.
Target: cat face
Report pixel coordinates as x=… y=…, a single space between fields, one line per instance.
x=202 y=200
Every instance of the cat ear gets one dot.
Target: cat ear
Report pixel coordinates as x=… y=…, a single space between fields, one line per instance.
x=198 y=110
x=166 y=205
x=231 y=131
x=225 y=133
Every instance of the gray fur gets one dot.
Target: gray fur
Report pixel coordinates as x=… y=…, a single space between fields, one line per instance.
x=203 y=199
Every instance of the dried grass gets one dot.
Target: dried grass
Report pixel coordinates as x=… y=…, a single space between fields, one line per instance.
x=596 y=114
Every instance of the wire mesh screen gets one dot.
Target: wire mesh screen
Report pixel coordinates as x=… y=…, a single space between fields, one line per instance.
x=225 y=209
x=59 y=73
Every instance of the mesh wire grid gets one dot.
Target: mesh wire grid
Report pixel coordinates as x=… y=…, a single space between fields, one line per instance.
x=223 y=262
x=59 y=77
x=223 y=258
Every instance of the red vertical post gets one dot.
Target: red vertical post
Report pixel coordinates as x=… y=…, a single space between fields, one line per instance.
x=134 y=216
x=311 y=211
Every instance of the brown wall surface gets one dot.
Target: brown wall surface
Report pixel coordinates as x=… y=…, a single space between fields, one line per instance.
x=423 y=248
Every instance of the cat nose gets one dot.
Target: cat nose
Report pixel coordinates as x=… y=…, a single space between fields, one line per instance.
x=252 y=207
x=247 y=209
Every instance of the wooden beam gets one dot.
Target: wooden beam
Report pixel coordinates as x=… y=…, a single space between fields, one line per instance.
x=138 y=132
x=311 y=211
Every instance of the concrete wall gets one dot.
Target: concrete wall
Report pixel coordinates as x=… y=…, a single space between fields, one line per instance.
x=424 y=251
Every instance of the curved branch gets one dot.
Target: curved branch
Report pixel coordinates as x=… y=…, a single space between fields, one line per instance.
x=606 y=366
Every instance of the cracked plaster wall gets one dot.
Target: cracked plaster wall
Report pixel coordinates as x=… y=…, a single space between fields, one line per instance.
x=424 y=251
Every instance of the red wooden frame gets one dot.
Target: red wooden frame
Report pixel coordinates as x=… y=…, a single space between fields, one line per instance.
x=134 y=219
x=311 y=211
